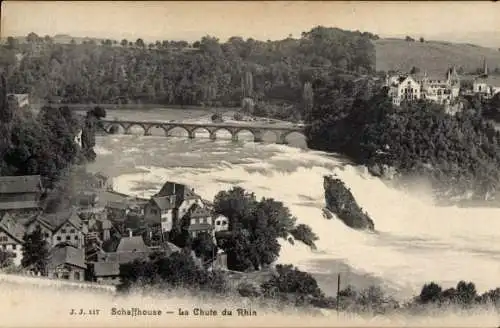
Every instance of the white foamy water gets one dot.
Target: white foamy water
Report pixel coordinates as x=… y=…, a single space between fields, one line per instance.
x=417 y=242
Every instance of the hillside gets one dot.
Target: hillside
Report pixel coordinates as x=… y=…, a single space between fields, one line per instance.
x=434 y=56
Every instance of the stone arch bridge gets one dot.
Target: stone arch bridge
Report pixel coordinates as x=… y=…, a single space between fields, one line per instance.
x=257 y=130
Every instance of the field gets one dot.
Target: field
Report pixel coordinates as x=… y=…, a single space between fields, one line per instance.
x=433 y=56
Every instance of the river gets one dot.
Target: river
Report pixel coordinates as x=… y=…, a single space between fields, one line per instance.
x=416 y=242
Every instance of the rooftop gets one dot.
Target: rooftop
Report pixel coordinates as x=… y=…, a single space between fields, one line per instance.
x=132 y=244
x=68 y=255
x=164 y=202
x=20 y=184
x=17 y=205
x=492 y=80
x=12 y=228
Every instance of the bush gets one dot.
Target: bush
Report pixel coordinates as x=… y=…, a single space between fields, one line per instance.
x=304 y=234
x=217 y=118
x=238 y=116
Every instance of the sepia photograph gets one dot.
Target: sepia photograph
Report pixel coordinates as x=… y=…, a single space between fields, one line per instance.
x=250 y=164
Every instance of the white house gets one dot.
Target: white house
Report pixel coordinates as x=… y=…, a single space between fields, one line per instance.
x=11 y=237
x=403 y=88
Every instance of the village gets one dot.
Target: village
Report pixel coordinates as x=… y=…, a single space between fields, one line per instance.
x=102 y=229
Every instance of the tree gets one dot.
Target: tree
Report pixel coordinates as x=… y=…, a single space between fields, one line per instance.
x=140 y=43
x=422 y=39
x=204 y=247
x=12 y=43
x=6 y=259
x=32 y=38
x=409 y=39
x=430 y=293
x=289 y=279
x=35 y=251
x=124 y=43
x=304 y=233
x=308 y=99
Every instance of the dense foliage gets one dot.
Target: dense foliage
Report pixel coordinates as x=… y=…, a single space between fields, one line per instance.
x=177 y=270
x=208 y=72
x=255 y=227
x=35 y=251
x=458 y=153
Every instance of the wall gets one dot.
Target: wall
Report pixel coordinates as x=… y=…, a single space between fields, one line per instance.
x=68 y=233
x=11 y=245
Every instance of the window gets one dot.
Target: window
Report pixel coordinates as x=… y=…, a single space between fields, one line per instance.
x=63 y=230
x=77 y=275
x=68 y=237
x=46 y=235
x=14 y=247
x=218 y=223
x=4 y=239
x=58 y=238
x=75 y=237
x=72 y=231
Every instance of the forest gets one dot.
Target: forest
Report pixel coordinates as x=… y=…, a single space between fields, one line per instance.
x=457 y=153
x=206 y=73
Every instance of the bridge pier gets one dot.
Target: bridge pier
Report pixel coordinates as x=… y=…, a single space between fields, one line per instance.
x=213 y=136
x=234 y=137
x=257 y=136
x=281 y=139
x=147 y=133
x=191 y=135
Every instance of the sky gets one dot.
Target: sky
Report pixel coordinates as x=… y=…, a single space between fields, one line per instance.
x=263 y=20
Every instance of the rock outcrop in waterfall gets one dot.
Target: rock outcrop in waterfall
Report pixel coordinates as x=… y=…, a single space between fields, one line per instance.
x=341 y=202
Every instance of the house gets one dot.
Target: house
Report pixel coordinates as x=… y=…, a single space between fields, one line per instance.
x=409 y=87
x=170 y=205
x=403 y=88
x=221 y=223
x=107 y=272
x=129 y=249
x=103 y=181
x=66 y=262
x=117 y=210
x=61 y=227
x=486 y=85
x=20 y=194
x=200 y=221
x=11 y=237
x=22 y=100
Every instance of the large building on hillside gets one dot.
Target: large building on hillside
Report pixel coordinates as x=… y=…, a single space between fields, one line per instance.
x=486 y=85
x=408 y=87
x=20 y=194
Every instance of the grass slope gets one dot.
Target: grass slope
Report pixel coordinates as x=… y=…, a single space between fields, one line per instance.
x=434 y=56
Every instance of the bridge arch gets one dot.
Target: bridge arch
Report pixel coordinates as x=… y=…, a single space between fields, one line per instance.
x=228 y=133
x=128 y=127
x=174 y=130
x=249 y=134
x=287 y=137
x=205 y=132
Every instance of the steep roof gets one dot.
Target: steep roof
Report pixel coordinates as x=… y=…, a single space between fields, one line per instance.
x=132 y=244
x=20 y=184
x=164 y=202
x=56 y=220
x=12 y=228
x=106 y=269
x=124 y=257
x=68 y=255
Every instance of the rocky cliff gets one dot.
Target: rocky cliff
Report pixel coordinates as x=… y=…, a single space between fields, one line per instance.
x=341 y=202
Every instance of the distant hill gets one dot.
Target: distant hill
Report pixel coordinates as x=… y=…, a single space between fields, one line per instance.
x=433 y=56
